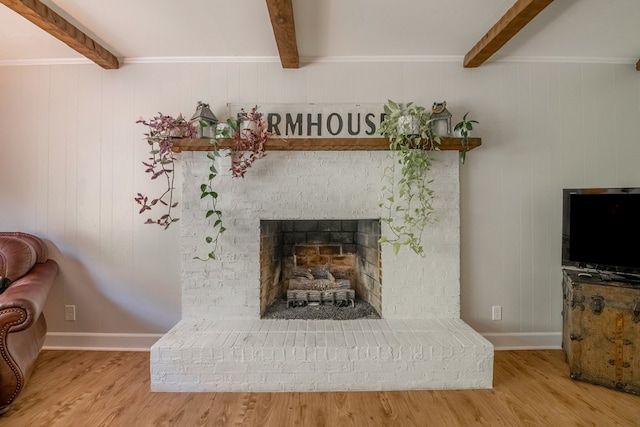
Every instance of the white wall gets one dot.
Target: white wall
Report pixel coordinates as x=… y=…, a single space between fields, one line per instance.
x=71 y=155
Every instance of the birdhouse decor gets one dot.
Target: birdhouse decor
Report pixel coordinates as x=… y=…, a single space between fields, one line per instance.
x=440 y=119
x=204 y=121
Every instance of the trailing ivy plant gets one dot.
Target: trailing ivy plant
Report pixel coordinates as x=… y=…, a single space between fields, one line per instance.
x=408 y=201
x=249 y=135
x=163 y=130
x=207 y=191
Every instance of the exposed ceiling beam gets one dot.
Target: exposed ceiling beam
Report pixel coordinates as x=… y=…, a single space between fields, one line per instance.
x=60 y=28
x=284 y=29
x=508 y=26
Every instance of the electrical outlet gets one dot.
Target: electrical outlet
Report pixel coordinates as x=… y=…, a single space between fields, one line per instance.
x=70 y=312
x=496 y=312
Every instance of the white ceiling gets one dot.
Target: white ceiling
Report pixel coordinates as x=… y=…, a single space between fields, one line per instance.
x=148 y=30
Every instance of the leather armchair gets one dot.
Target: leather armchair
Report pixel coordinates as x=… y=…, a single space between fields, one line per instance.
x=29 y=274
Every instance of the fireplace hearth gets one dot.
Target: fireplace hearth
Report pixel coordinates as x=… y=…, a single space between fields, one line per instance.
x=223 y=343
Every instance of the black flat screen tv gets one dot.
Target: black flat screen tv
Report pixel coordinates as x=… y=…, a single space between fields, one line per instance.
x=601 y=229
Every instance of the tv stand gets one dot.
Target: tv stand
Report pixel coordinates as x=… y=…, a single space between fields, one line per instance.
x=601 y=329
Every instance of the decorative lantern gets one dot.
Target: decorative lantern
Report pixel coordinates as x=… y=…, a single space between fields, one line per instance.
x=440 y=119
x=204 y=121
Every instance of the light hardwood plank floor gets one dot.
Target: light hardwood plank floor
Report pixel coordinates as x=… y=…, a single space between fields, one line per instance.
x=531 y=388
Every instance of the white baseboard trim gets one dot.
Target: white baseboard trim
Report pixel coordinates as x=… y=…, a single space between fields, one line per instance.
x=524 y=340
x=99 y=342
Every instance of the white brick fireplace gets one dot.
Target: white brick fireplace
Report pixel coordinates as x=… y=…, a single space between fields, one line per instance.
x=221 y=344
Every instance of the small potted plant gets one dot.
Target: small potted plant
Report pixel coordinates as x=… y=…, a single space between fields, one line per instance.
x=250 y=136
x=462 y=130
x=408 y=200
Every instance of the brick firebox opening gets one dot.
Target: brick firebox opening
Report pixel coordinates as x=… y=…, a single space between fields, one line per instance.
x=348 y=248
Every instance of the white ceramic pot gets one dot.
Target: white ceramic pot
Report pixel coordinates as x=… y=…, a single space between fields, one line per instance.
x=458 y=133
x=408 y=125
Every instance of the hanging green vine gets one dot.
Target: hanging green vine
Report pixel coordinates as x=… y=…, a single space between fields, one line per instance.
x=207 y=191
x=408 y=201
x=249 y=134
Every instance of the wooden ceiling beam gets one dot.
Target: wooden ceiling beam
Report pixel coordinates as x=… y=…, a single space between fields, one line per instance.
x=284 y=30
x=54 y=24
x=519 y=15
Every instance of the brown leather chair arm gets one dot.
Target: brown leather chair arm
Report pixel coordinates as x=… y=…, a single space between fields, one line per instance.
x=25 y=298
x=22 y=329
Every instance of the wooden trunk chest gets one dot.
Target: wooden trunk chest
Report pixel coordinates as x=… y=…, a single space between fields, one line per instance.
x=601 y=330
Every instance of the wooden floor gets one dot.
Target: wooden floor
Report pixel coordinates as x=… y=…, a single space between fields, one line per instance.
x=531 y=388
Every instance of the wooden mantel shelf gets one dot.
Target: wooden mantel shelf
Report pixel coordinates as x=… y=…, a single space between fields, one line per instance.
x=318 y=144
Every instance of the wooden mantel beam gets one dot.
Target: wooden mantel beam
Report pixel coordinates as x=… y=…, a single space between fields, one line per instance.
x=320 y=144
x=54 y=24
x=519 y=15
x=284 y=30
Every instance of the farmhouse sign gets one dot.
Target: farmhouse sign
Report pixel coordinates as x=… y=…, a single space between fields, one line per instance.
x=320 y=120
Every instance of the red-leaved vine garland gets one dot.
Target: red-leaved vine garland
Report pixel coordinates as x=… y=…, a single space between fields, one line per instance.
x=249 y=134
x=162 y=130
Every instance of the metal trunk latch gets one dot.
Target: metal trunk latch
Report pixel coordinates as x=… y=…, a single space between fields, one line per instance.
x=597 y=304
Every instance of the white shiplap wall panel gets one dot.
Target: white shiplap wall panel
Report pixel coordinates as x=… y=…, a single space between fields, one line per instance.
x=625 y=114
x=90 y=165
x=543 y=194
x=457 y=89
x=75 y=155
x=294 y=87
x=367 y=87
x=552 y=204
x=480 y=204
x=392 y=82
x=43 y=147
x=571 y=124
x=597 y=98
x=155 y=251
x=247 y=82
x=107 y=175
x=524 y=144
x=510 y=214
x=233 y=83
x=421 y=83
x=324 y=85
x=71 y=161
x=125 y=132
x=57 y=132
x=82 y=249
x=14 y=147
x=342 y=87
x=271 y=83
